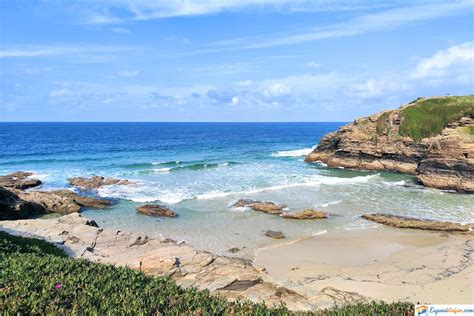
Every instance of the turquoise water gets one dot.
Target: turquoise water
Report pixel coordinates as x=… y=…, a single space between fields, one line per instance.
x=200 y=169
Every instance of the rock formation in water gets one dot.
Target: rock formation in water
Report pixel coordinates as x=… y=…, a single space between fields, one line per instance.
x=19 y=180
x=15 y=203
x=416 y=223
x=431 y=138
x=305 y=214
x=156 y=210
x=95 y=182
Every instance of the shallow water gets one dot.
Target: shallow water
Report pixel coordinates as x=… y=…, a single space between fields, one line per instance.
x=200 y=169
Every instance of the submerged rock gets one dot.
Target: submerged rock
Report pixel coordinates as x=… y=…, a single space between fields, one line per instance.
x=19 y=180
x=244 y=202
x=95 y=182
x=415 y=223
x=268 y=207
x=234 y=250
x=265 y=207
x=156 y=210
x=274 y=234
x=441 y=157
x=305 y=214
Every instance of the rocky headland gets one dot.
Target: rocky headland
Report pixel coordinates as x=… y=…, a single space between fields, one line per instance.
x=18 y=203
x=431 y=138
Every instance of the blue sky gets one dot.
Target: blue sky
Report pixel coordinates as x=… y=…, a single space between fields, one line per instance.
x=228 y=60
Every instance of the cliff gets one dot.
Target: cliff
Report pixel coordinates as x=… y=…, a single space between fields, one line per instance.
x=432 y=138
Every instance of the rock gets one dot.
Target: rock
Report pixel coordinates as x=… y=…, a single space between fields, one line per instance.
x=233 y=250
x=415 y=223
x=95 y=182
x=268 y=207
x=156 y=210
x=13 y=207
x=50 y=202
x=19 y=180
x=274 y=234
x=265 y=207
x=446 y=174
x=81 y=200
x=77 y=219
x=444 y=160
x=18 y=204
x=305 y=214
x=244 y=202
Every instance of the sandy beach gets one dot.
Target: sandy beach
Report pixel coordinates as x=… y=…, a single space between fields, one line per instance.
x=378 y=263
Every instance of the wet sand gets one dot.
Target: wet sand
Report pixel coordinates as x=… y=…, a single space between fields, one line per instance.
x=378 y=263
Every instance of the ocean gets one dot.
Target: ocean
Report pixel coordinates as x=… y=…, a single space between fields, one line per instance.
x=200 y=169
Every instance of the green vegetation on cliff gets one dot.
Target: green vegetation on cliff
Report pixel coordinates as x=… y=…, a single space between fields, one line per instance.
x=428 y=117
x=38 y=278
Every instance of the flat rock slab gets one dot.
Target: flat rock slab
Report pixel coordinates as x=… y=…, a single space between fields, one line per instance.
x=415 y=223
x=305 y=214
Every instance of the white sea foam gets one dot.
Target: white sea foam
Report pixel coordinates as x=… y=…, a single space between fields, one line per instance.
x=148 y=192
x=312 y=181
x=329 y=203
x=396 y=183
x=293 y=153
x=162 y=170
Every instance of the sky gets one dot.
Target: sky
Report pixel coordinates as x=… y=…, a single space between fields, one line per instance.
x=229 y=60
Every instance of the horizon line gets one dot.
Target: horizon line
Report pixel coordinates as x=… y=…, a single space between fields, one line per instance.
x=174 y=122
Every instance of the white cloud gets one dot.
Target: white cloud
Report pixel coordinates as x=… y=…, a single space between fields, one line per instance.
x=128 y=73
x=61 y=93
x=373 y=22
x=140 y=10
x=455 y=62
x=376 y=88
x=235 y=100
x=58 y=50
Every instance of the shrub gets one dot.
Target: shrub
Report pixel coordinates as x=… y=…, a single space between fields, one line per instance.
x=37 y=278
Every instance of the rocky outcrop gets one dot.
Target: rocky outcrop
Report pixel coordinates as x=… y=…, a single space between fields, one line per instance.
x=13 y=207
x=19 y=204
x=95 y=182
x=305 y=214
x=443 y=160
x=233 y=278
x=81 y=200
x=415 y=223
x=156 y=210
x=19 y=180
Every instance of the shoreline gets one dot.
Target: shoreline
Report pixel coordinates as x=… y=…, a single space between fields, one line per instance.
x=381 y=263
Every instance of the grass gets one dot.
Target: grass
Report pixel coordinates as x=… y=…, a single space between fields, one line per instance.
x=38 y=278
x=382 y=126
x=428 y=117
